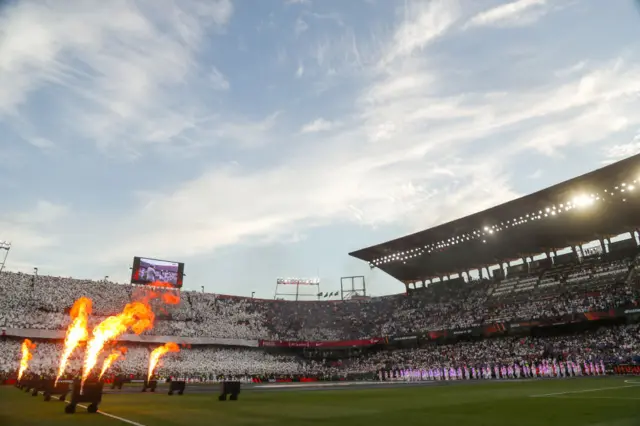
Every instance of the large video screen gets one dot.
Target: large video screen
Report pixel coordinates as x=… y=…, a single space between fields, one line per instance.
x=147 y=271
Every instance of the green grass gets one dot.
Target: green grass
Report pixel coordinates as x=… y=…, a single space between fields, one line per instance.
x=490 y=404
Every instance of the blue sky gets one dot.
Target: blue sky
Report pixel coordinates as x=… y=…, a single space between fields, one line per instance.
x=256 y=139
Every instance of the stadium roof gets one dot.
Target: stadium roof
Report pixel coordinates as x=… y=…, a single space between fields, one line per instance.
x=599 y=204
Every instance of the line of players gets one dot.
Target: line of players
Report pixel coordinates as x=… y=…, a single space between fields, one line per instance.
x=543 y=369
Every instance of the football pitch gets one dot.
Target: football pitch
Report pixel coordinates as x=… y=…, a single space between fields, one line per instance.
x=613 y=401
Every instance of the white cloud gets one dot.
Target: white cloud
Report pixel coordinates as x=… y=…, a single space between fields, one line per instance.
x=218 y=80
x=300 y=71
x=620 y=151
x=424 y=22
x=520 y=12
x=32 y=229
x=398 y=86
x=301 y=26
x=246 y=133
x=241 y=204
x=593 y=125
x=41 y=143
x=536 y=175
x=43 y=212
x=318 y=125
x=573 y=69
x=129 y=73
x=297 y=1
x=413 y=141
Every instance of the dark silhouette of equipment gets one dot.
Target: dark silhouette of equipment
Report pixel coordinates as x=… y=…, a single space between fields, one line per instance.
x=178 y=387
x=230 y=388
x=50 y=388
x=91 y=393
x=150 y=385
x=119 y=381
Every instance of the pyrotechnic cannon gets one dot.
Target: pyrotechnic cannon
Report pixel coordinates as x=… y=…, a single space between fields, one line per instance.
x=90 y=392
x=150 y=385
x=49 y=388
x=177 y=386
x=36 y=386
x=119 y=381
x=26 y=384
x=230 y=388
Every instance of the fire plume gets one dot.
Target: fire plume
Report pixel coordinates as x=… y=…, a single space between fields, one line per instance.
x=170 y=299
x=146 y=294
x=114 y=355
x=76 y=332
x=27 y=347
x=162 y=284
x=136 y=316
x=159 y=352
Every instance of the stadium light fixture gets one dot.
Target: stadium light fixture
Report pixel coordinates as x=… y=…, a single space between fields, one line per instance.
x=582 y=201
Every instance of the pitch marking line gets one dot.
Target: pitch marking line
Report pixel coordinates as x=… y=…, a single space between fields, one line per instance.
x=131 y=422
x=635 y=382
x=597 y=397
x=582 y=391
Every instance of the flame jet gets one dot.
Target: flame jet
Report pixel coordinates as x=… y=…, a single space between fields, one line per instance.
x=27 y=347
x=76 y=332
x=136 y=316
x=113 y=356
x=159 y=352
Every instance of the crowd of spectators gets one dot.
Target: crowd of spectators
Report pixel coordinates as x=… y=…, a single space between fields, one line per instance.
x=43 y=302
x=610 y=345
x=205 y=362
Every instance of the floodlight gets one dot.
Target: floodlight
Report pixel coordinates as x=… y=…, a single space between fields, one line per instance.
x=582 y=201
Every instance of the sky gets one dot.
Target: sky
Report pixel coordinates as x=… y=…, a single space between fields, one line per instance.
x=262 y=139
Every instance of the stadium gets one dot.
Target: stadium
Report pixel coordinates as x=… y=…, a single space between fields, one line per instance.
x=525 y=313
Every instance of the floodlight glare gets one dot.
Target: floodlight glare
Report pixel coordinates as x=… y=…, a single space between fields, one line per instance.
x=582 y=201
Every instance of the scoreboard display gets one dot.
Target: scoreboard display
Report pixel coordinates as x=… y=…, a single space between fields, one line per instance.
x=146 y=271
